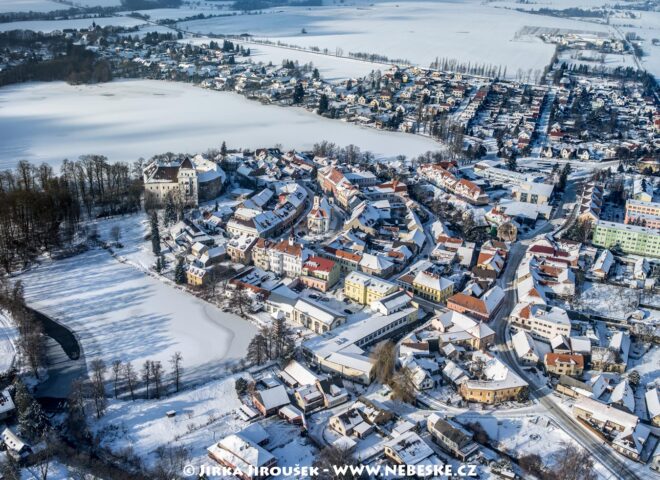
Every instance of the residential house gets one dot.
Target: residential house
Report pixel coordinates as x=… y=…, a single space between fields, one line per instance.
x=451 y=437
x=407 y=449
x=320 y=273
x=482 y=307
x=564 y=364
x=498 y=383
x=241 y=454
x=271 y=400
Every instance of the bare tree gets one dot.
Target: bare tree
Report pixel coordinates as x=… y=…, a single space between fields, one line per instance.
x=116 y=372
x=403 y=387
x=171 y=460
x=241 y=300
x=98 y=386
x=115 y=233
x=157 y=377
x=177 y=369
x=131 y=378
x=573 y=463
x=331 y=456
x=385 y=359
x=44 y=458
x=146 y=375
x=77 y=396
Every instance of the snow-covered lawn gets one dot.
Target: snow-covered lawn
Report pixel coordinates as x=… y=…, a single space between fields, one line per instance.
x=119 y=312
x=418 y=31
x=125 y=120
x=202 y=415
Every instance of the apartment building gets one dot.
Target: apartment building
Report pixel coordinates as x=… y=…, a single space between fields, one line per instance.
x=541 y=321
x=630 y=238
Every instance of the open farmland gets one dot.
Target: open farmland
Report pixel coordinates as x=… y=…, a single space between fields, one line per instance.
x=416 y=31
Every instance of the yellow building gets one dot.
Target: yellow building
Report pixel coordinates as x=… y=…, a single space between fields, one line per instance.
x=498 y=383
x=364 y=289
x=432 y=286
x=195 y=276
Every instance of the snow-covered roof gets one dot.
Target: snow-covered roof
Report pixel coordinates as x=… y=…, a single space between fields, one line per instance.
x=524 y=344
x=652 y=402
x=241 y=453
x=623 y=395
x=6 y=402
x=432 y=281
x=375 y=262
x=606 y=413
x=273 y=397
x=410 y=448
x=497 y=375
x=300 y=373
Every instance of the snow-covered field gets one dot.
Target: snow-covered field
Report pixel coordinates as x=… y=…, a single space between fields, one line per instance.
x=331 y=68
x=125 y=120
x=119 y=312
x=52 y=25
x=29 y=6
x=418 y=31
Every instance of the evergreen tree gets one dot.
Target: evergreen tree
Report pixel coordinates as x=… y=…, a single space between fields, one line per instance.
x=155 y=233
x=257 y=351
x=32 y=421
x=315 y=74
x=298 y=93
x=563 y=177
x=223 y=150
x=170 y=210
x=180 y=272
x=512 y=163
x=281 y=339
x=323 y=104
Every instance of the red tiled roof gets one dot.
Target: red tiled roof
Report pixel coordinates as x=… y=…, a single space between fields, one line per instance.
x=553 y=358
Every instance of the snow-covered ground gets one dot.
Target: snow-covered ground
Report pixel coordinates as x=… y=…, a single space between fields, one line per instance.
x=8 y=338
x=119 y=312
x=143 y=425
x=417 y=31
x=51 y=25
x=534 y=434
x=607 y=300
x=29 y=6
x=47 y=122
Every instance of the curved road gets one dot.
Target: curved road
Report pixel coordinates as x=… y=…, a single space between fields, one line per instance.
x=543 y=394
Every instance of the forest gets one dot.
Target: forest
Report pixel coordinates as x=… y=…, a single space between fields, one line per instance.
x=40 y=212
